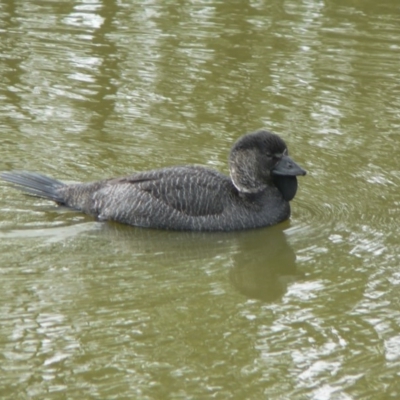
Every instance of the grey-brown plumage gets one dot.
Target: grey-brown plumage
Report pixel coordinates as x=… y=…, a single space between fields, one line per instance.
x=262 y=182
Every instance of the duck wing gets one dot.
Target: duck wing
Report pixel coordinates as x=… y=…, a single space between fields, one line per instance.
x=193 y=191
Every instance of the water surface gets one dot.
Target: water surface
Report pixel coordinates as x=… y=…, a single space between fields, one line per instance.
x=308 y=309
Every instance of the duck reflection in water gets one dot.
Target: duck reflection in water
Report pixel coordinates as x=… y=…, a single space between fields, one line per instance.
x=264 y=266
x=262 y=182
x=260 y=264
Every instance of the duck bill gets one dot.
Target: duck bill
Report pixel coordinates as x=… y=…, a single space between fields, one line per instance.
x=287 y=167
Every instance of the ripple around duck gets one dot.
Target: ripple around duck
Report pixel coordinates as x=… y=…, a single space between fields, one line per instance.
x=321 y=214
x=350 y=202
x=331 y=218
x=51 y=233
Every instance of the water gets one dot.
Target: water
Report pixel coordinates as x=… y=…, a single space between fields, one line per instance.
x=308 y=309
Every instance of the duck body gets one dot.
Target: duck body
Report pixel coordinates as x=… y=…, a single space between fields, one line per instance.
x=180 y=198
x=257 y=193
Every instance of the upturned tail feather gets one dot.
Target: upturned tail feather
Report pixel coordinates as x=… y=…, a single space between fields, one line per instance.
x=35 y=184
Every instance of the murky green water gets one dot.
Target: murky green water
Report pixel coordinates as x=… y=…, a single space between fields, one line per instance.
x=309 y=309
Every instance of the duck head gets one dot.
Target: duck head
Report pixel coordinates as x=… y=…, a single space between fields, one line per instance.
x=261 y=159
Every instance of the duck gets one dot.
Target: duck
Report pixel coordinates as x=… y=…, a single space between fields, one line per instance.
x=257 y=192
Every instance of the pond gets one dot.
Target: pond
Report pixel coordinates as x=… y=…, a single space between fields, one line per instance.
x=307 y=309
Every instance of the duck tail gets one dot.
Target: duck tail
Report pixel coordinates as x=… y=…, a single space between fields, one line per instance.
x=35 y=184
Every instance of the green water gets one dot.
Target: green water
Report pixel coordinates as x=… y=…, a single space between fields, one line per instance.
x=309 y=309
